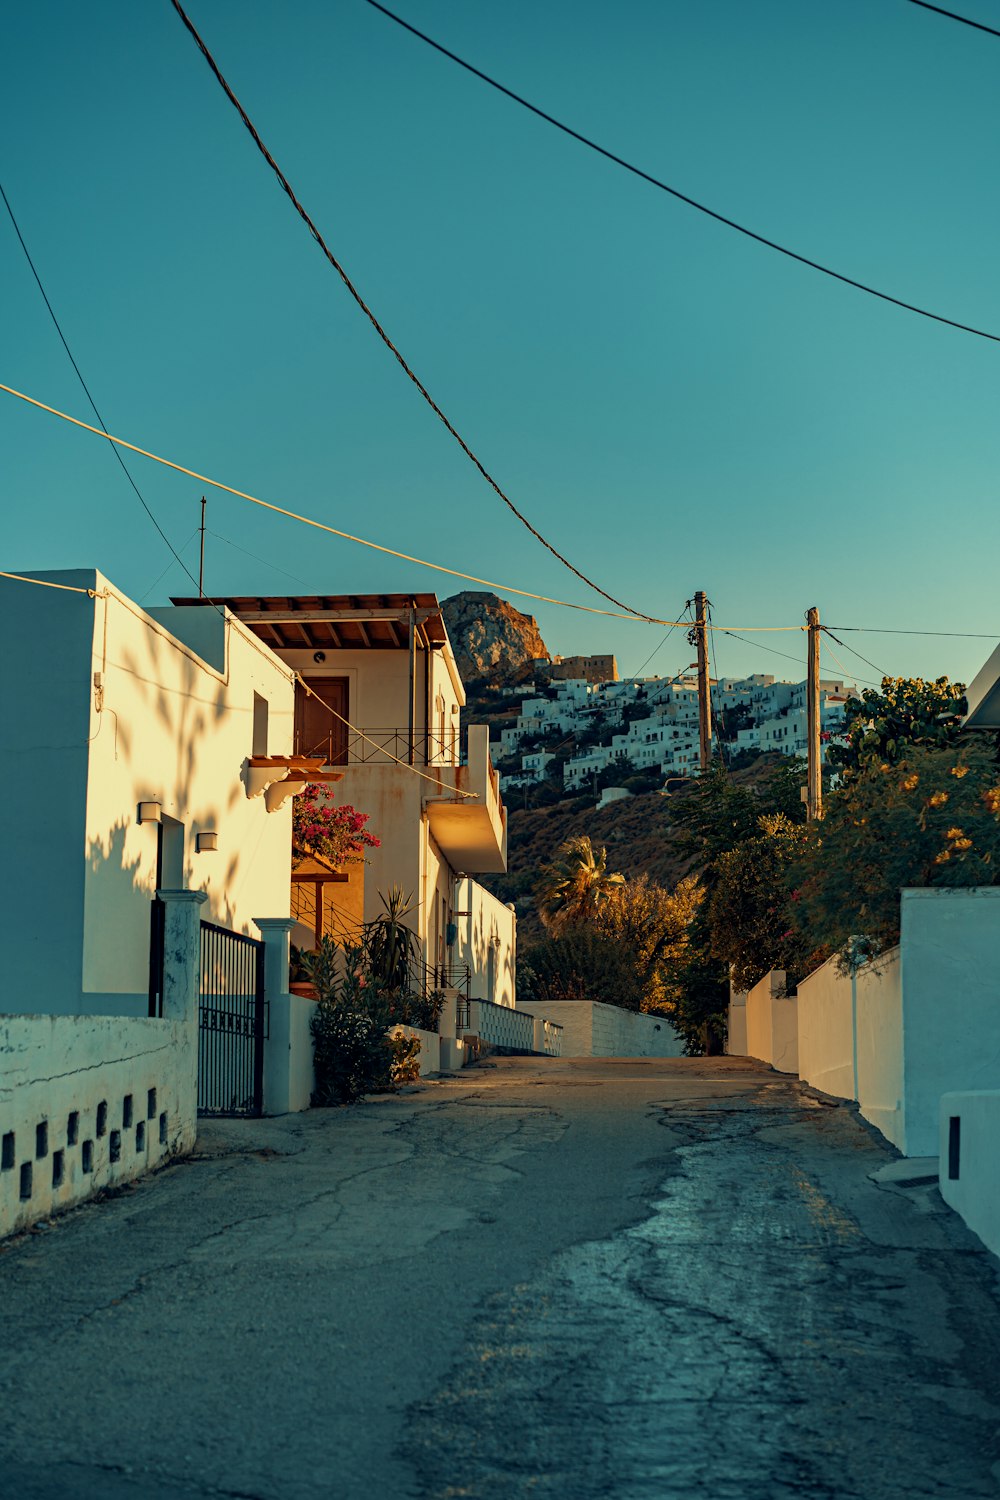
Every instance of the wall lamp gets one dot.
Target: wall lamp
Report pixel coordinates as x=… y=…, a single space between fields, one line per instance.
x=207 y=842
x=150 y=812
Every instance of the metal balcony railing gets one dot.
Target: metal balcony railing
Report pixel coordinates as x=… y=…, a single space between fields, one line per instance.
x=386 y=745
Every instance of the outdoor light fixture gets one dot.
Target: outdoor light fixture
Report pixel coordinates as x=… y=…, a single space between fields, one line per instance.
x=150 y=812
x=207 y=842
x=319 y=656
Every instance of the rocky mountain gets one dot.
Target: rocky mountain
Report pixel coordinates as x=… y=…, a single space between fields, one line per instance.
x=491 y=639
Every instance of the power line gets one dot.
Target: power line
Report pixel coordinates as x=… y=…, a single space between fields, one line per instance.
x=348 y=283
x=959 y=635
x=657 y=182
x=263 y=560
x=46 y=583
x=848 y=675
x=757 y=646
x=829 y=632
x=347 y=536
x=159 y=578
x=953 y=16
x=86 y=388
x=656 y=649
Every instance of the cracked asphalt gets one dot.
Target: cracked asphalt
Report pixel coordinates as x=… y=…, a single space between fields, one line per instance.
x=565 y=1279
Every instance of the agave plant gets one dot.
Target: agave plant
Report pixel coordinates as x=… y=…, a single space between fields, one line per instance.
x=390 y=945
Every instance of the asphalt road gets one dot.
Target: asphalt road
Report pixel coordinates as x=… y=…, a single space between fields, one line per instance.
x=632 y=1280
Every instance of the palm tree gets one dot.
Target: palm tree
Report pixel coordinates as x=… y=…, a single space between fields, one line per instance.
x=575 y=885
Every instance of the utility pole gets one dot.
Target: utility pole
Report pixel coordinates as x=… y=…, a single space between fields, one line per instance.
x=699 y=639
x=814 y=785
x=201 y=555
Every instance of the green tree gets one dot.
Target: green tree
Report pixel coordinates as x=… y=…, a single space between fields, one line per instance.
x=751 y=914
x=575 y=885
x=930 y=819
x=886 y=726
x=700 y=1013
x=718 y=813
x=651 y=924
x=580 y=963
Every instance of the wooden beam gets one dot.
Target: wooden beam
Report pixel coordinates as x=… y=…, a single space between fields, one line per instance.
x=330 y=616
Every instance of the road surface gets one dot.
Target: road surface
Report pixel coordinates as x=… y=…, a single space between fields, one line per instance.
x=557 y=1279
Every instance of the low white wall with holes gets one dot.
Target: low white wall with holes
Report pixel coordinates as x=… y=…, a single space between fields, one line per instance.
x=88 y=1102
x=548 y=1037
x=592 y=1029
x=502 y=1026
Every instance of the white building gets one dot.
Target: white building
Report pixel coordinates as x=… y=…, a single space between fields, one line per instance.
x=126 y=738
x=381 y=705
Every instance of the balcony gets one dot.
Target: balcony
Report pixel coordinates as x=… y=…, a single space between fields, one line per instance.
x=471 y=832
x=339 y=745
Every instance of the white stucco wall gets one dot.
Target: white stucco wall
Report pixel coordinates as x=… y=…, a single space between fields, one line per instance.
x=826 y=1031
x=486 y=926
x=55 y=1068
x=736 y=1027
x=110 y=709
x=576 y=1017
x=592 y=1029
x=772 y=1024
x=975 y=1191
x=950 y=945
x=879 y=1006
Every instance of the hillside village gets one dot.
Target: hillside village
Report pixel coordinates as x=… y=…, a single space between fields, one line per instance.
x=650 y=725
x=572 y=723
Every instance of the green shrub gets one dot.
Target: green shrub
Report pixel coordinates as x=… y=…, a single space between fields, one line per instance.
x=353 y=1055
x=413 y=1009
x=405 y=1059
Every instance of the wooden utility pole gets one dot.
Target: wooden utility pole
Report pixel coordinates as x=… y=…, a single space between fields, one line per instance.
x=700 y=634
x=814 y=785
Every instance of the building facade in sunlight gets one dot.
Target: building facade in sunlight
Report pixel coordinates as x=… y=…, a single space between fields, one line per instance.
x=127 y=740
x=378 y=698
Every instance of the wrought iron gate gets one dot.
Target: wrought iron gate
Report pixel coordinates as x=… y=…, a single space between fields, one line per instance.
x=232 y=1023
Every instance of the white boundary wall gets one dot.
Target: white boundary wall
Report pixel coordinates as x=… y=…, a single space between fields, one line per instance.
x=950 y=948
x=826 y=1031
x=88 y=1102
x=772 y=1024
x=921 y=1022
x=879 y=1007
x=591 y=1029
x=736 y=1028
x=974 y=1192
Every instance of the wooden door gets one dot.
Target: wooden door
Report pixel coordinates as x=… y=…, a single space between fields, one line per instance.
x=318 y=731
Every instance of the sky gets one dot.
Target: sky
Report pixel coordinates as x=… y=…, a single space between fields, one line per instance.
x=673 y=406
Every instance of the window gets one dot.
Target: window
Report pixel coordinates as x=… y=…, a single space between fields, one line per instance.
x=259 y=742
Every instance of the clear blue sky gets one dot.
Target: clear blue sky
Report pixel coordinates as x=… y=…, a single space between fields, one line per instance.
x=674 y=406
